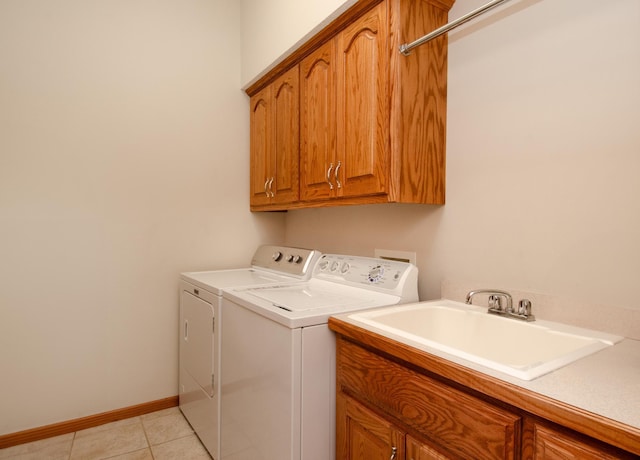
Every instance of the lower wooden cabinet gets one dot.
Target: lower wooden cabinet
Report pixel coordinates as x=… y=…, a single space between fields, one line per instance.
x=417 y=450
x=388 y=410
x=365 y=435
x=551 y=444
x=452 y=424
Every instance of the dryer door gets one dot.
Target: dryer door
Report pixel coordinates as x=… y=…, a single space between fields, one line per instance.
x=197 y=344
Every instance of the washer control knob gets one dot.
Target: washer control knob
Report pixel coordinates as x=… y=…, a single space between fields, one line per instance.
x=375 y=274
x=290 y=258
x=277 y=256
x=297 y=259
x=345 y=268
x=334 y=265
x=323 y=264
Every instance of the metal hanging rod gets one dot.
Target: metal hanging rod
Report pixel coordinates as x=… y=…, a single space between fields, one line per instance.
x=407 y=47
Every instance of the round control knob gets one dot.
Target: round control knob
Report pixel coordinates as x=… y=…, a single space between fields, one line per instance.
x=290 y=258
x=375 y=274
x=334 y=266
x=345 y=268
x=277 y=256
x=297 y=259
x=323 y=264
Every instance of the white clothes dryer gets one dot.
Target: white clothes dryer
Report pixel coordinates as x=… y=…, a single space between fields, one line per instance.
x=278 y=355
x=201 y=320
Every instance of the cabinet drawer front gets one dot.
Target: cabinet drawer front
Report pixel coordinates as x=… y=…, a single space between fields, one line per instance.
x=455 y=421
x=553 y=445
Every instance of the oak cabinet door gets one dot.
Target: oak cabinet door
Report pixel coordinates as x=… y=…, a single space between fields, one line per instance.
x=362 y=105
x=318 y=124
x=364 y=435
x=261 y=147
x=275 y=141
x=286 y=116
x=552 y=445
x=420 y=451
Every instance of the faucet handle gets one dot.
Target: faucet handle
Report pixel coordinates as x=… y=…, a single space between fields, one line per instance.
x=524 y=310
x=524 y=307
x=495 y=303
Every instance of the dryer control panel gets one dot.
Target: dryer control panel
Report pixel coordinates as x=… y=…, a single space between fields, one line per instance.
x=296 y=262
x=393 y=277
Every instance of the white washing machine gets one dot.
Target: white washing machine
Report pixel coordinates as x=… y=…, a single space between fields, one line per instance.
x=201 y=320
x=278 y=356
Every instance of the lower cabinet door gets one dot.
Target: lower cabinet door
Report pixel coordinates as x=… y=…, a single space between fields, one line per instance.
x=419 y=451
x=550 y=444
x=364 y=435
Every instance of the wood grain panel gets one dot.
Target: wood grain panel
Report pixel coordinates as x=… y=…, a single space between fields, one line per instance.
x=458 y=423
x=317 y=121
x=286 y=153
x=418 y=110
x=362 y=101
x=260 y=148
x=417 y=450
x=541 y=441
x=364 y=435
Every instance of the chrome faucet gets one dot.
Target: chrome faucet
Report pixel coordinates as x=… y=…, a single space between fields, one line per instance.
x=495 y=299
x=495 y=304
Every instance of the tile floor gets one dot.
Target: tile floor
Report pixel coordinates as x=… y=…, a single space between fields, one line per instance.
x=162 y=435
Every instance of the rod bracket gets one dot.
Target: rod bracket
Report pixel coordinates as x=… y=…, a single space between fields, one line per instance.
x=404 y=50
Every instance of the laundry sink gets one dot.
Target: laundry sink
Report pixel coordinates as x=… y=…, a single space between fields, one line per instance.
x=525 y=350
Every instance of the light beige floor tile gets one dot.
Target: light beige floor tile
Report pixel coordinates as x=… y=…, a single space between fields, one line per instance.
x=119 y=438
x=187 y=448
x=166 y=428
x=160 y=413
x=56 y=448
x=110 y=426
x=143 y=454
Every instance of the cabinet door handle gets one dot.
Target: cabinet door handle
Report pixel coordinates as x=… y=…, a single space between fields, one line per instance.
x=266 y=190
x=338 y=183
x=329 y=176
x=270 y=187
x=394 y=451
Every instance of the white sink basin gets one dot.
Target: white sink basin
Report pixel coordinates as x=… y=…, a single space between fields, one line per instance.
x=523 y=350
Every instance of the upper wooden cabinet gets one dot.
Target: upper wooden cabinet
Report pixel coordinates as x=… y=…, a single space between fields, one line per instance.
x=318 y=124
x=372 y=121
x=345 y=121
x=275 y=142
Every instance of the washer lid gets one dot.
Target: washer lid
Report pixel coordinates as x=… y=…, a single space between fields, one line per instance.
x=303 y=299
x=318 y=295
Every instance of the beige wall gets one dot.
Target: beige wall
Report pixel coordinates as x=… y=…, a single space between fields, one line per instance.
x=543 y=155
x=271 y=28
x=123 y=161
